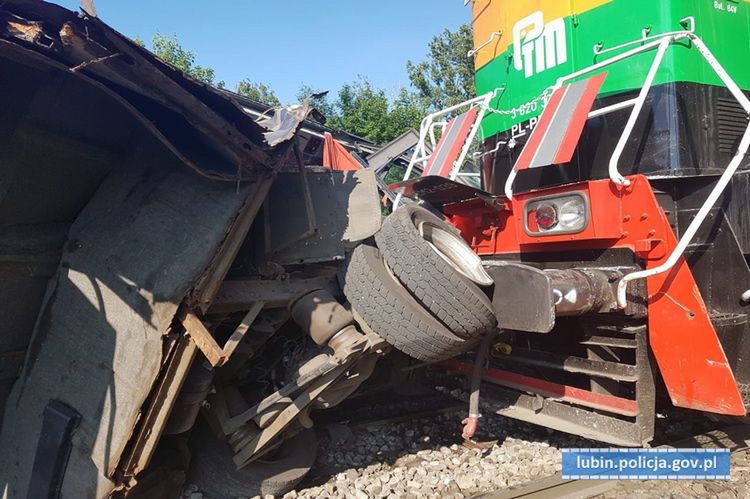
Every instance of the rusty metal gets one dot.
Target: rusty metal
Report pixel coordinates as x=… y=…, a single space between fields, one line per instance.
x=235 y=296
x=203 y=339
x=66 y=40
x=175 y=371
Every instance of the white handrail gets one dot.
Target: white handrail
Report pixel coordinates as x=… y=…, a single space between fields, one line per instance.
x=420 y=156
x=475 y=51
x=612 y=108
x=690 y=20
x=660 y=44
x=614 y=160
x=695 y=224
x=722 y=183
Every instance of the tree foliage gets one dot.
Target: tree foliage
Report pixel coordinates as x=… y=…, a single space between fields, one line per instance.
x=447 y=76
x=444 y=78
x=169 y=49
x=258 y=92
x=364 y=110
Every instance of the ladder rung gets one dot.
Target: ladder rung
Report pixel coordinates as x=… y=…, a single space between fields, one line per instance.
x=608 y=341
x=597 y=368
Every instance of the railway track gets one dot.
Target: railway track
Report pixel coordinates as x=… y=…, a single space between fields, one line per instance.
x=736 y=438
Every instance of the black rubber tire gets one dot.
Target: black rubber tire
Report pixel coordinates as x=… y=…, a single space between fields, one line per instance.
x=393 y=313
x=449 y=295
x=213 y=471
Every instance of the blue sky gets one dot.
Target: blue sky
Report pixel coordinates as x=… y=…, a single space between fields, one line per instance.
x=285 y=43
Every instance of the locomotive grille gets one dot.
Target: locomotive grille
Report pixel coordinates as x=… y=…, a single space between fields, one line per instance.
x=731 y=121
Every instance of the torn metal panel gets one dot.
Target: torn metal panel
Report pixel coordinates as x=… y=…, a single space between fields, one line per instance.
x=22 y=29
x=345 y=212
x=211 y=131
x=156 y=418
x=19 y=55
x=282 y=122
x=136 y=251
x=88 y=7
x=309 y=129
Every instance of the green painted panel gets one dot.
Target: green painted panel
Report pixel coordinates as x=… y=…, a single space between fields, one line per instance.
x=724 y=25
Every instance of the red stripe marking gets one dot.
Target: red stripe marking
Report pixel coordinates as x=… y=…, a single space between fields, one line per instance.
x=440 y=145
x=566 y=393
x=540 y=130
x=578 y=120
x=458 y=144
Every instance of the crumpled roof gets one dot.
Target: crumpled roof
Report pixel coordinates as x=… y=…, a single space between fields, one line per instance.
x=202 y=126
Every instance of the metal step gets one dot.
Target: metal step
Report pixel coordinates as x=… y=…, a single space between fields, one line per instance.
x=571 y=364
x=728 y=319
x=617 y=370
x=610 y=341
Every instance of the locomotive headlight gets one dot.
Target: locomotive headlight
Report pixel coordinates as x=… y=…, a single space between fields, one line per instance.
x=572 y=214
x=551 y=215
x=546 y=216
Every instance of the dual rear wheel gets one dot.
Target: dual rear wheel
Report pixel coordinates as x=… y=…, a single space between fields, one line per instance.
x=420 y=287
x=214 y=472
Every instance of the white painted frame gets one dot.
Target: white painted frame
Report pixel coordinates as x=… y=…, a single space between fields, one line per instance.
x=660 y=43
x=427 y=132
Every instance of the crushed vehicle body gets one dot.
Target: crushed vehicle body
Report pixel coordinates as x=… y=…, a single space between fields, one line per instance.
x=153 y=241
x=186 y=289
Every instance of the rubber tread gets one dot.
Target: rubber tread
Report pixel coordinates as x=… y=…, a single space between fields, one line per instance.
x=214 y=472
x=393 y=313
x=451 y=297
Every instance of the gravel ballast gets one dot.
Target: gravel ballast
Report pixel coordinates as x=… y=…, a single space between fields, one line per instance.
x=427 y=458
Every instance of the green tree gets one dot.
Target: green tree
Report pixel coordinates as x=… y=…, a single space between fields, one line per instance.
x=367 y=111
x=362 y=110
x=447 y=76
x=407 y=111
x=258 y=92
x=169 y=49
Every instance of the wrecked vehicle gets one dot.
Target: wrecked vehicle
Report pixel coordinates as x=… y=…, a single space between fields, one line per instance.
x=178 y=274
x=170 y=273
x=185 y=288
